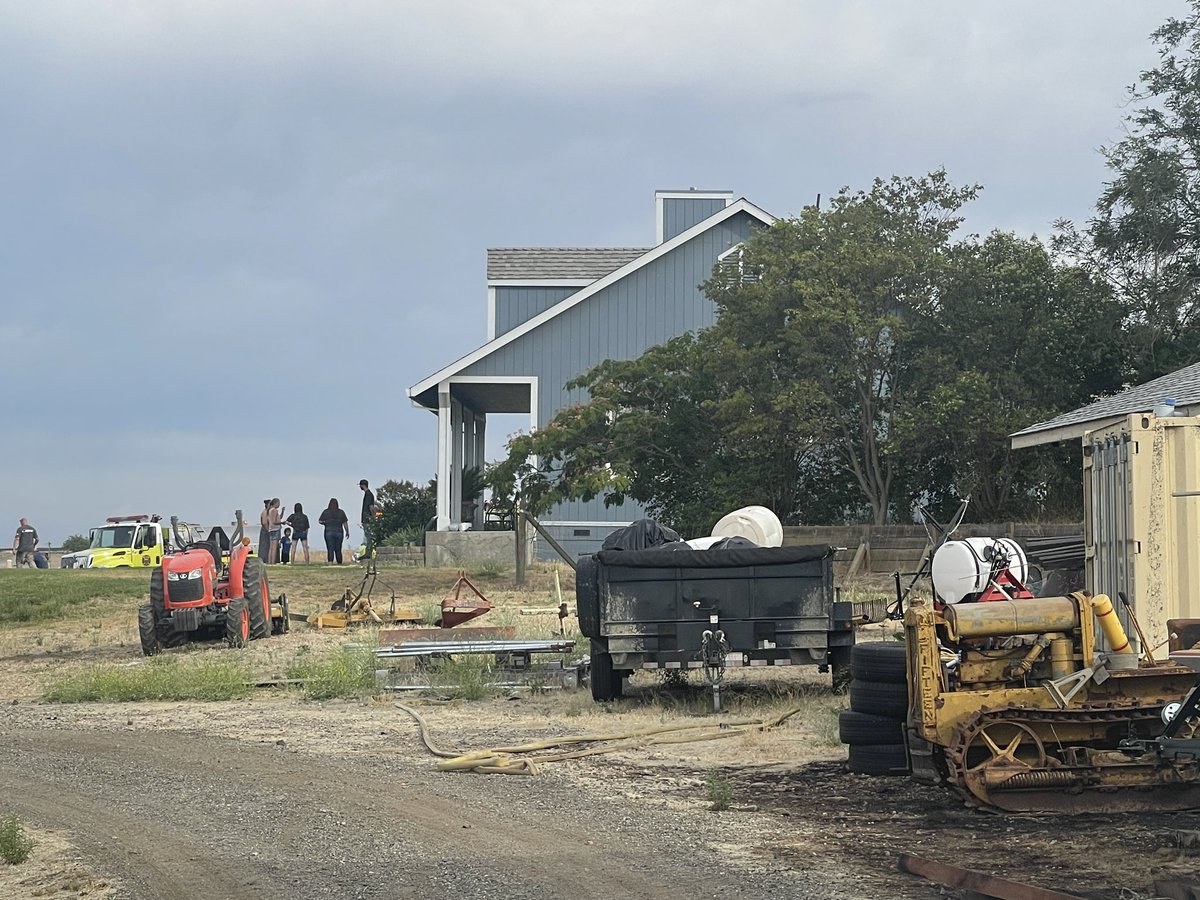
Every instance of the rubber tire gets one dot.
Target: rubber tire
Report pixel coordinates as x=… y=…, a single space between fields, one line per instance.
x=157 y=594
x=884 y=759
x=237 y=623
x=879 y=698
x=148 y=630
x=284 y=625
x=866 y=730
x=607 y=683
x=587 y=595
x=256 y=592
x=169 y=637
x=882 y=661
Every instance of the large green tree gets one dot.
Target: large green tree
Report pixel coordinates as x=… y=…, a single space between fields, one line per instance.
x=831 y=312
x=1145 y=236
x=1014 y=338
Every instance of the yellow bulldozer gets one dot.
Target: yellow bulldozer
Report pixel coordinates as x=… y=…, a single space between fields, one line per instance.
x=1018 y=703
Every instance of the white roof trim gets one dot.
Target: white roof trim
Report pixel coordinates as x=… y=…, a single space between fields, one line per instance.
x=732 y=250
x=1062 y=433
x=595 y=287
x=727 y=196
x=539 y=282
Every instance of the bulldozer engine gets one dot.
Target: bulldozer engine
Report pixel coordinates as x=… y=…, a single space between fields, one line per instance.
x=1016 y=705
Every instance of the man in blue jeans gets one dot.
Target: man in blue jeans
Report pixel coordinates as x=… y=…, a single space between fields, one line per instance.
x=368 y=518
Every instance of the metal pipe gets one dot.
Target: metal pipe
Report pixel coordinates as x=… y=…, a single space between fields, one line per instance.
x=1008 y=617
x=1110 y=624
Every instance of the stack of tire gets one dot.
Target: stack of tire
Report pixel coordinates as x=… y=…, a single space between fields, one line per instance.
x=873 y=726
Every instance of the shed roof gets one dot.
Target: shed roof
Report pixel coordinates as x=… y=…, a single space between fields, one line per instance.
x=1183 y=385
x=547 y=263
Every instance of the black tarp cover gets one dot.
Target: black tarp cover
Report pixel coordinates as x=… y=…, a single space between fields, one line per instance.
x=640 y=535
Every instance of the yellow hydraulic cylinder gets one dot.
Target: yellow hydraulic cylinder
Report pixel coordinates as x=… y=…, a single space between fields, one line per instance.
x=1110 y=624
x=1005 y=617
x=1062 y=656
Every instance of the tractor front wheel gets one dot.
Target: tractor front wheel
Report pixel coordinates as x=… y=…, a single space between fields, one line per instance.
x=148 y=630
x=237 y=623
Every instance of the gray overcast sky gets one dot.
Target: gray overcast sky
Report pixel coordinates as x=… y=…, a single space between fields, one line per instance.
x=232 y=233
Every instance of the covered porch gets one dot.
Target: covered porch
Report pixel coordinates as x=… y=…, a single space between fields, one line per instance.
x=462 y=404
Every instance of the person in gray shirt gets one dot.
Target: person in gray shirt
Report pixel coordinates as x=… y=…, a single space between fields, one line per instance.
x=25 y=543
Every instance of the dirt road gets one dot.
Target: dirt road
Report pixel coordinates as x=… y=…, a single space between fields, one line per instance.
x=282 y=798
x=174 y=814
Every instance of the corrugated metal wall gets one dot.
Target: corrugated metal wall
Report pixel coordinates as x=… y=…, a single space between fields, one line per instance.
x=659 y=301
x=515 y=305
x=680 y=215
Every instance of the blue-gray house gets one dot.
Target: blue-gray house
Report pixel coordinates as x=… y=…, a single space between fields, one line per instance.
x=554 y=313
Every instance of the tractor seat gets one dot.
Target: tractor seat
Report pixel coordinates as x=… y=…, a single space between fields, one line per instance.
x=220 y=538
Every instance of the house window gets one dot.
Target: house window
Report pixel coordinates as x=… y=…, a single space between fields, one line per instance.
x=581 y=532
x=733 y=268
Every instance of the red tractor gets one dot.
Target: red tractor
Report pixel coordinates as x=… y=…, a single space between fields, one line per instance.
x=212 y=588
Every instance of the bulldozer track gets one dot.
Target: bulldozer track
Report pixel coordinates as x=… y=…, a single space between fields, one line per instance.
x=1051 y=782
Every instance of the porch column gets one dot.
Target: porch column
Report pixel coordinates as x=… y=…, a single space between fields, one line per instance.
x=444 y=458
x=456 y=459
x=480 y=459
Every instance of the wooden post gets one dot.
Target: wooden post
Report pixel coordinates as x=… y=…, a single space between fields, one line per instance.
x=519 y=527
x=550 y=539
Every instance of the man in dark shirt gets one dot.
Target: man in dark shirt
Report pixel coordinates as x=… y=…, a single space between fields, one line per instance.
x=368 y=518
x=25 y=543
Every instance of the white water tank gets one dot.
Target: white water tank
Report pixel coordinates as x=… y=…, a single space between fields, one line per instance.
x=755 y=523
x=962 y=568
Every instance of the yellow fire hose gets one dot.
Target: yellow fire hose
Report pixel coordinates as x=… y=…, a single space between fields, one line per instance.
x=500 y=760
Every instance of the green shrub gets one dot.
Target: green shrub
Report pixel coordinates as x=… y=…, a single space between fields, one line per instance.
x=410 y=534
x=349 y=673
x=15 y=844
x=162 y=678
x=719 y=790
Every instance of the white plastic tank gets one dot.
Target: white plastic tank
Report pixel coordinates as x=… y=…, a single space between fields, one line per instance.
x=961 y=568
x=755 y=523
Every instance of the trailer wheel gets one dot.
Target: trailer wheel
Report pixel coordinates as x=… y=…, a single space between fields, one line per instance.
x=607 y=683
x=882 y=661
x=839 y=667
x=258 y=599
x=148 y=630
x=885 y=759
x=866 y=730
x=157 y=594
x=879 y=698
x=237 y=623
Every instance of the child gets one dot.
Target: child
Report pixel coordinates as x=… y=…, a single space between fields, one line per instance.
x=285 y=545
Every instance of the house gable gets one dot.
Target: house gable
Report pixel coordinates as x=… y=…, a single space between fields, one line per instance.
x=674 y=284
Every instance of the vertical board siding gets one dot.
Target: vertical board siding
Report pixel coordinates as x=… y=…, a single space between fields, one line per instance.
x=650 y=306
x=680 y=215
x=516 y=305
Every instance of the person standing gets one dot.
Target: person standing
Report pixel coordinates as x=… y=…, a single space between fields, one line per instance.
x=264 y=533
x=273 y=525
x=299 y=522
x=368 y=518
x=25 y=543
x=335 y=522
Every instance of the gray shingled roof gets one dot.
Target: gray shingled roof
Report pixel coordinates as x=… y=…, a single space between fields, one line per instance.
x=1183 y=385
x=543 y=263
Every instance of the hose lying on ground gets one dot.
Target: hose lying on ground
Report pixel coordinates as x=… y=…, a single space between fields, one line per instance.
x=500 y=760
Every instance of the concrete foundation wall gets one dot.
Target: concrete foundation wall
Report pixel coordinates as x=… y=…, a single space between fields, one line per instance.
x=457 y=548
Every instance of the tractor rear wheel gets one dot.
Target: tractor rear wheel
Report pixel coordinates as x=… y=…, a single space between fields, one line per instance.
x=148 y=630
x=237 y=623
x=258 y=598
